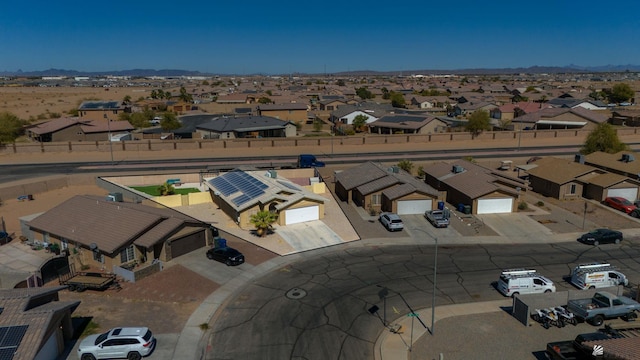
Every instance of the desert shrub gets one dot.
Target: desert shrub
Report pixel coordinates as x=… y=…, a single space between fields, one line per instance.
x=540 y=203
x=523 y=205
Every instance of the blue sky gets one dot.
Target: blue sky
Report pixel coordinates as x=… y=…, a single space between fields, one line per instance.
x=280 y=37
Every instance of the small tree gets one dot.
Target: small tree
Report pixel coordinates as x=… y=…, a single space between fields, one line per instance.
x=421 y=172
x=166 y=189
x=317 y=125
x=603 y=138
x=263 y=221
x=406 y=165
x=11 y=127
x=184 y=95
x=169 y=121
x=397 y=99
x=264 y=100
x=620 y=93
x=478 y=122
x=359 y=122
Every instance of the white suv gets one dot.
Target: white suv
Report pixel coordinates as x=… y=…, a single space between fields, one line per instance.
x=130 y=343
x=391 y=221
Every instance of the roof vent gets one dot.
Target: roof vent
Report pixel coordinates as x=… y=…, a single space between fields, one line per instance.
x=394 y=169
x=579 y=158
x=457 y=169
x=627 y=158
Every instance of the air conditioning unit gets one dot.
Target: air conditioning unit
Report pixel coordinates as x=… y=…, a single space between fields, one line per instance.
x=579 y=158
x=457 y=169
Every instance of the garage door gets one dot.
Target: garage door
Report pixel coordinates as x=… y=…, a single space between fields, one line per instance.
x=495 y=206
x=630 y=194
x=187 y=244
x=406 y=207
x=309 y=213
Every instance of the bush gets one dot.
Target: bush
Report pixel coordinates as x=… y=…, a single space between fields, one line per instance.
x=523 y=205
x=540 y=203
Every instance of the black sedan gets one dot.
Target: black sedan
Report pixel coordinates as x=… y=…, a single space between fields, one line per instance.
x=227 y=255
x=601 y=236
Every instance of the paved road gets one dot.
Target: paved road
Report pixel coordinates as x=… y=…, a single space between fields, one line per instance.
x=317 y=308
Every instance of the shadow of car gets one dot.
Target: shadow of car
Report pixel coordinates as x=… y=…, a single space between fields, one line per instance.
x=226 y=255
x=620 y=203
x=601 y=236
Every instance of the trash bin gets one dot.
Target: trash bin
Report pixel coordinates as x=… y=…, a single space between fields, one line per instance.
x=220 y=243
x=467 y=209
x=440 y=205
x=461 y=207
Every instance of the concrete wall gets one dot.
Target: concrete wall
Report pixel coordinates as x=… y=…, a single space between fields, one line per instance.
x=193 y=144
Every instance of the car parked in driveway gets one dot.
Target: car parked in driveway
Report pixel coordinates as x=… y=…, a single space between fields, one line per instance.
x=130 y=343
x=227 y=255
x=601 y=236
x=635 y=213
x=620 y=203
x=391 y=221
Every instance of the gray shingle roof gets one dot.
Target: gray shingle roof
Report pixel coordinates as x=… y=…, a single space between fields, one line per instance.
x=371 y=177
x=244 y=123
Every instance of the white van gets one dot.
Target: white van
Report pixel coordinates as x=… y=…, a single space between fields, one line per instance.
x=522 y=281
x=597 y=275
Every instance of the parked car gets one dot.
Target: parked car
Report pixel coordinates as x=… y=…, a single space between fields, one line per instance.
x=227 y=255
x=130 y=343
x=620 y=203
x=391 y=221
x=635 y=213
x=601 y=236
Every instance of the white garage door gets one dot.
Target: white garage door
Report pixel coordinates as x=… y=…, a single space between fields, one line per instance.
x=407 y=207
x=630 y=194
x=495 y=206
x=299 y=215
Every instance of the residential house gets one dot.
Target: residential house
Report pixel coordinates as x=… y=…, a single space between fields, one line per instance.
x=344 y=115
x=475 y=189
x=331 y=103
x=560 y=178
x=560 y=118
x=467 y=108
x=508 y=112
x=407 y=124
x=101 y=110
x=293 y=112
x=625 y=118
x=625 y=163
x=77 y=129
x=375 y=187
x=231 y=127
x=241 y=194
x=574 y=103
x=103 y=234
x=34 y=323
x=236 y=98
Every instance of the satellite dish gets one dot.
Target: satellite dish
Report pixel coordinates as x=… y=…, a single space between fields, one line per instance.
x=93 y=247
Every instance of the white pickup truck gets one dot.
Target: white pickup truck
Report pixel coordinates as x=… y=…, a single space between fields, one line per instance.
x=438 y=218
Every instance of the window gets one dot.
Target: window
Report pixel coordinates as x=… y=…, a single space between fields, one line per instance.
x=572 y=189
x=97 y=256
x=64 y=243
x=128 y=254
x=376 y=199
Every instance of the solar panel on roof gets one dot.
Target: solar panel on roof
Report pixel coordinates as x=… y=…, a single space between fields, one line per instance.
x=289 y=185
x=10 y=339
x=222 y=185
x=237 y=181
x=7 y=353
x=13 y=336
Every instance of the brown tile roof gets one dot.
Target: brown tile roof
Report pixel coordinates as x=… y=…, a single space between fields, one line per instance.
x=622 y=348
x=474 y=181
x=39 y=309
x=56 y=125
x=607 y=179
x=110 y=225
x=377 y=185
x=99 y=126
x=360 y=175
x=613 y=161
x=559 y=171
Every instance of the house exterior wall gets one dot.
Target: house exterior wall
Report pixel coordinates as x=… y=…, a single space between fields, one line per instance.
x=544 y=187
x=595 y=192
x=282 y=220
x=71 y=133
x=286 y=115
x=244 y=218
x=342 y=193
x=99 y=114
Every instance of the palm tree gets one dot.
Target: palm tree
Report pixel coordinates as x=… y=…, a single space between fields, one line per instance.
x=262 y=220
x=166 y=189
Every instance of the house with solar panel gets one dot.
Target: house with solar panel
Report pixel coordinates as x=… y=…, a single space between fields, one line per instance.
x=241 y=194
x=34 y=323
x=100 y=110
x=231 y=127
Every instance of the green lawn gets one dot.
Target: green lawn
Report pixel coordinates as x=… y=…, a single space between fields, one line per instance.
x=153 y=190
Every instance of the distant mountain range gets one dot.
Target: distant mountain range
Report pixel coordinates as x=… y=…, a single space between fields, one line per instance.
x=478 y=71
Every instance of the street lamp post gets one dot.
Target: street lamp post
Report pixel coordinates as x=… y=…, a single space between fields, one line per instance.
x=433 y=296
x=110 y=142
